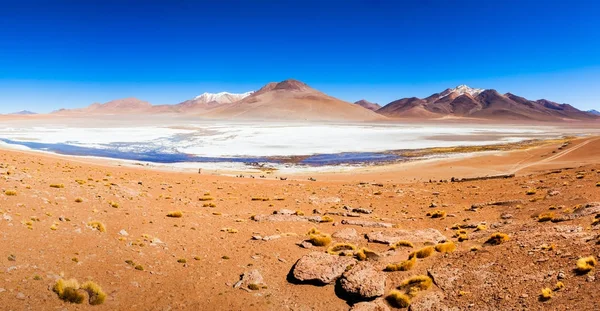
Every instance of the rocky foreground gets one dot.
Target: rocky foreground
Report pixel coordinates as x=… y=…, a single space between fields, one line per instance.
x=74 y=235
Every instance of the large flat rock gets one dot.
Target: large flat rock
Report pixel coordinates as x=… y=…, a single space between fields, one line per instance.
x=414 y=236
x=321 y=268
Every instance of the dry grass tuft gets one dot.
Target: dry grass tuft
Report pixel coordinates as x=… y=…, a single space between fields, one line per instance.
x=422 y=253
x=342 y=249
x=365 y=254
x=437 y=214
x=586 y=264
x=97 y=225
x=229 y=230
x=530 y=191
x=57 y=186
x=10 y=193
x=96 y=294
x=175 y=214
x=545 y=217
x=417 y=282
x=481 y=227
x=559 y=285
x=320 y=239
x=326 y=219
x=447 y=247
x=209 y=205
x=403 y=265
x=113 y=204
x=398 y=299
x=67 y=290
x=78 y=200
x=404 y=243
x=497 y=238
x=546 y=294
x=260 y=199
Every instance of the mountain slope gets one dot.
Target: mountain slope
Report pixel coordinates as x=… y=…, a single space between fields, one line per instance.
x=464 y=101
x=292 y=100
x=367 y=104
x=594 y=112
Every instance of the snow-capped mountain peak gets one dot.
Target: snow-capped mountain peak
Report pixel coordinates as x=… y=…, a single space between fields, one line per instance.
x=222 y=97
x=461 y=90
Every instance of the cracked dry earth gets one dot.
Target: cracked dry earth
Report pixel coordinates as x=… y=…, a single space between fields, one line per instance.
x=229 y=251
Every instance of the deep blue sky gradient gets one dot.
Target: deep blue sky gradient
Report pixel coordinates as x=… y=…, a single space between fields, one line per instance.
x=57 y=54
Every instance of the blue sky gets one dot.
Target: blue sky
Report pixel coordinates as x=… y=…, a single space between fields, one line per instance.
x=57 y=54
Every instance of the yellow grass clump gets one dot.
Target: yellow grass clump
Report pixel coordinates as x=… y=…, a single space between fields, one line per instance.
x=209 y=205
x=113 y=204
x=447 y=247
x=78 y=200
x=57 y=186
x=67 y=290
x=586 y=264
x=326 y=219
x=481 y=227
x=559 y=285
x=403 y=265
x=497 y=238
x=260 y=199
x=10 y=193
x=545 y=217
x=175 y=214
x=530 y=191
x=229 y=230
x=320 y=239
x=341 y=249
x=598 y=184
x=96 y=225
x=80 y=181
x=398 y=299
x=205 y=198
x=417 y=282
x=546 y=294
x=404 y=243
x=96 y=294
x=365 y=253
x=437 y=214
x=422 y=253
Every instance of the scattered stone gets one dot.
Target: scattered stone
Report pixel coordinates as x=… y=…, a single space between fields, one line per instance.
x=376 y=305
x=433 y=301
x=348 y=234
x=251 y=280
x=506 y=216
x=364 y=223
x=271 y=237
x=284 y=212
x=305 y=244
x=362 y=210
x=6 y=217
x=497 y=203
x=444 y=277
x=320 y=267
x=414 y=236
x=20 y=296
x=12 y=257
x=561 y=275
x=286 y=218
x=123 y=232
x=363 y=281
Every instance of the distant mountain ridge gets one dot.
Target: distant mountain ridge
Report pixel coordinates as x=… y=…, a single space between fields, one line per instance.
x=367 y=104
x=24 y=113
x=594 y=112
x=463 y=101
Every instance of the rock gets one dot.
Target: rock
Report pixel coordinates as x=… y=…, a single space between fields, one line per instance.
x=287 y=218
x=20 y=296
x=363 y=281
x=305 y=244
x=377 y=305
x=271 y=237
x=12 y=257
x=415 y=236
x=320 y=267
x=2 y=290
x=362 y=210
x=284 y=212
x=432 y=301
x=123 y=232
x=445 y=277
x=348 y=234
x=506 y=216
x=6 y=217
x=364 y=223
x=251 y=280
x=561 y=275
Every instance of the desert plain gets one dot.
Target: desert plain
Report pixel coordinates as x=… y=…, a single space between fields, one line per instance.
x=154 y=239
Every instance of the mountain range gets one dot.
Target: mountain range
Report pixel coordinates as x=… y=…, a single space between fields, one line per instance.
x=295 y=100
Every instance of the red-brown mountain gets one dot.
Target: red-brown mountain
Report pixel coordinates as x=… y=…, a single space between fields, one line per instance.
x=464 y=101
x=367 y=104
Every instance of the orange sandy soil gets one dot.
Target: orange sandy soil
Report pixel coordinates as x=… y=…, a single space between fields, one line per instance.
x=502 y=277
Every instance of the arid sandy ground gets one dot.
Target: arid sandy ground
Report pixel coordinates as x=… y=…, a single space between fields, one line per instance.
x=509 y=276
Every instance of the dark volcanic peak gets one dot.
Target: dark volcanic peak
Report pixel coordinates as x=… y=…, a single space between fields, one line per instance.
x=464 y=101
x=367 y=104
x=291 y=85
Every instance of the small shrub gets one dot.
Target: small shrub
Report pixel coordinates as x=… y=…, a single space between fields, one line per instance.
x=326 y=219
x=585 y=264
x=365 y=253
x=447 y=247
x=545 y=217
x=96 y=294
x=80 y=181
x=78 y=200
x=481 y=227
x=67 y=290
x=403 y=265
x=530 y=191
x=229 y=230
x=497 y=238
x=320 y=239
x=402 y=243
x=260 y=199
x=423 y=252
x=205 y=199
x=546 y=294
x=209 y=205
x=253 y=286
x=181 y=260
x=559 y=285
x=341 y=249
x=139 y=267
x=175 y=214
x=10 y=193
x=57 y=186
x=97 y=225
x=113 y=204
x=398 y=299
x=437 y=214
x=418 y=282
